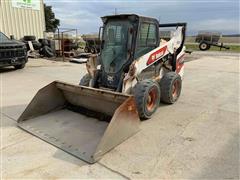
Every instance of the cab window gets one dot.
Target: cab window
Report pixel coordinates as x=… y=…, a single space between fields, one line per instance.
x=147 y=39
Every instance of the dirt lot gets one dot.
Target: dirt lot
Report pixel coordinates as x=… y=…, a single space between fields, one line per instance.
x=198 y=137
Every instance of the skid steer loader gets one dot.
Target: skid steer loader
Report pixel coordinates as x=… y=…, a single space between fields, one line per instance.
x=134 y=71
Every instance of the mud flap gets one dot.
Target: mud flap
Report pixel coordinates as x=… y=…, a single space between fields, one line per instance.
x=82 y=121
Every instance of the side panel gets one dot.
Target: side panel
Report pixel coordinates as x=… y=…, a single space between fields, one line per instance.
x=173 y=46
x=180 y=64
x=148 y=59
x=158 y=53
x=47 y=99
x=124 y=124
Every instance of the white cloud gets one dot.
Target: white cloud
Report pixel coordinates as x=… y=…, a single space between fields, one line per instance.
x=85 y=15
x=83 y=20
x=222 y=25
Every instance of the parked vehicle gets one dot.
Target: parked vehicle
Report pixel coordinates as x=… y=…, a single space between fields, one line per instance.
x=12 y=52
x=208 y=39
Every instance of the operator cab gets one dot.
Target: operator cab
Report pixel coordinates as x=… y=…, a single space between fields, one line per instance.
x=124 y=38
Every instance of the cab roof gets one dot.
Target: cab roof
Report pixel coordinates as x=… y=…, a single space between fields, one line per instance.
x=125 y=16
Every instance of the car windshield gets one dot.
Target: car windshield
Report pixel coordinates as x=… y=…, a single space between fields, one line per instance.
x=3 y=38
x=117 y=41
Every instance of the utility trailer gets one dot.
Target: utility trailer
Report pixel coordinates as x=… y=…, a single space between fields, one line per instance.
x=208 y=39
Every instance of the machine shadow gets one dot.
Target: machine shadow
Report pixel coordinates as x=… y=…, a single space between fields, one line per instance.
x=7 y=69
x=13 y=112
x=65 y=156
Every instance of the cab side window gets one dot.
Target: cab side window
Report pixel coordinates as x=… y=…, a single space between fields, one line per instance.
x=147 y=39
x=152 y=35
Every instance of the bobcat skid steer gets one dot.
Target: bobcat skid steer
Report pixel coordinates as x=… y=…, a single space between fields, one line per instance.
x=125 y=83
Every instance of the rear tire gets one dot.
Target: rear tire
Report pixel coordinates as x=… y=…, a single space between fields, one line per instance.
x=85 y=81
x=20 y=66
x=43 y=42
x=204 y=46
x=47 y=51
x=86 y=50
x=93 y=50
x=29 y=38
x=171 y=85
x=36 y=45
x=147 y=97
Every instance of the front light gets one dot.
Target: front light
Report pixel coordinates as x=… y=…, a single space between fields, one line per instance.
x=25 y=49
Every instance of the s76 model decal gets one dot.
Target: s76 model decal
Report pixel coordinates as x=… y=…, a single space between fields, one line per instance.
x=156 y=55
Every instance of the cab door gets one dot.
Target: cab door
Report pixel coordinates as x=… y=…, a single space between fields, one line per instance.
x=147 y=38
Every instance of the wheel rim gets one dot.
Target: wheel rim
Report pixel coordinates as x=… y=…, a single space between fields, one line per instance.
x=203 y=46
x=151 y=99
x=175 y=89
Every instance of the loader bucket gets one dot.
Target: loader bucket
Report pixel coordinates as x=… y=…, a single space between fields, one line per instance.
x=82 y=121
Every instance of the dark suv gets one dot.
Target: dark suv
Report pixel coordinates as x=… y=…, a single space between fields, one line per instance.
x=12 y=52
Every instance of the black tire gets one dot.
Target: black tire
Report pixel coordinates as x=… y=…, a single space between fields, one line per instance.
x=20 y=66
x=36 y=45
x=44 y=42
x=204 y=46
x=92 y=50
x=171 y=85
x=29 y=38
x=41 y=51
x=86 y=50
x=85 y=81
x=47 y=51
x=74 y=46
x=147 y=97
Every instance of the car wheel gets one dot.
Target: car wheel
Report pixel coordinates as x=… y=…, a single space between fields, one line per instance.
x=204 y=46
x=20 y=66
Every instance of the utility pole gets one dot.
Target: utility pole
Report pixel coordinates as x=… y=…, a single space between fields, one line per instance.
x=115 y=11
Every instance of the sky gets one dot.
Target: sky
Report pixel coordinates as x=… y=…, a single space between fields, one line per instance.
x=211 y=15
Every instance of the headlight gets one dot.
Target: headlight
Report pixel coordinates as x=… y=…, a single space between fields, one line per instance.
x=25 y=49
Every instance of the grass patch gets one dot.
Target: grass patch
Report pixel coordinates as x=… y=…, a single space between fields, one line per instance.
x=194 y=47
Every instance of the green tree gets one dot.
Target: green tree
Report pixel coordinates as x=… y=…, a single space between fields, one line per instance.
x=51 y=22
